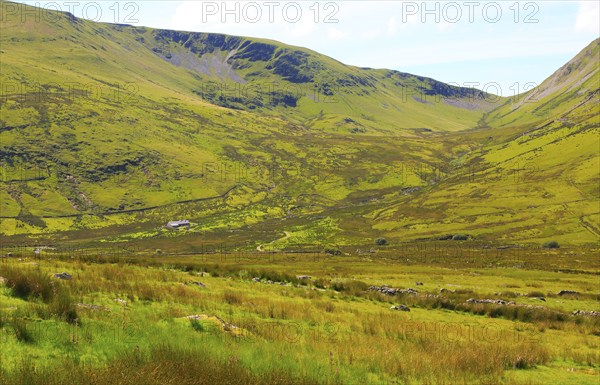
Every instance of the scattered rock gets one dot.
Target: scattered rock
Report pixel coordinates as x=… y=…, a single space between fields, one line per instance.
x=540 y=298
x=391 y=290
x=418 y=283
x=121 y=301
x=444 y=290
x=303 y=277
x=197 y=283
x=587 y=313
x=92 y=307
x=410 y=190
x=226 y=326
x=400 y=307
x=63 y=275
x=493 y=301
x=269 y=282
x=568 y=292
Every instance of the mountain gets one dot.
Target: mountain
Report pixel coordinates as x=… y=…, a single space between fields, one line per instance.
x=572 y=88
x=109 y=131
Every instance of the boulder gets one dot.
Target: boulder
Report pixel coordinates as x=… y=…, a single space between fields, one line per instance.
x=63 y=275
x=418 y=283
x=400 y=308
x=568 y=292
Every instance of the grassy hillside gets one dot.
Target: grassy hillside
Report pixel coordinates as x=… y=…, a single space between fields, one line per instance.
x=109 y=131
x=573 y=87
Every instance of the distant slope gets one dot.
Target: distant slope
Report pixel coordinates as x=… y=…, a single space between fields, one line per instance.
x=573 y=86
x=536 y=174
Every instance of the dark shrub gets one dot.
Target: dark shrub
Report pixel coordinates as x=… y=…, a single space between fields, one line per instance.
x=551 y=245
x=333 y=251
x=459 y=237
x=381 y=241
x=62 y=306
x=28 y=283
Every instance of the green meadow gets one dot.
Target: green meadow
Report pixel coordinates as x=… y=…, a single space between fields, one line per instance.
x=267 y=317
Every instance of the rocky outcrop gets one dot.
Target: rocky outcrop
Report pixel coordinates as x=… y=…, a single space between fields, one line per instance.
x=391 y=290
x=491 y=301
x=587 y=313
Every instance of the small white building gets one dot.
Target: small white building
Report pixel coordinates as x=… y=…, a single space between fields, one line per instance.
x=175 y=225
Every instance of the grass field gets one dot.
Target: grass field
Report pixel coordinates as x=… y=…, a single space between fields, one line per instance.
x=121 y=319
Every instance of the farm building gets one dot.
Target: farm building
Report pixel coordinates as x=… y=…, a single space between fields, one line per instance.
x=175 y=225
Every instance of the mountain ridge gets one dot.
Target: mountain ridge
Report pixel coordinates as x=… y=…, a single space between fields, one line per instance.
x=105 y=132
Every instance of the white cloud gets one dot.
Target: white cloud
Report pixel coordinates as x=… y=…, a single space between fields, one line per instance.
x=588 y=17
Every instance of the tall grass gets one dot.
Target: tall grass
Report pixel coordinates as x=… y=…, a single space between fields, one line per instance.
x=164 y=364
x=33 y=284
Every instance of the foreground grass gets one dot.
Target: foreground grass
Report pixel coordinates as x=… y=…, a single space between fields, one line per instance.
x=326 y=329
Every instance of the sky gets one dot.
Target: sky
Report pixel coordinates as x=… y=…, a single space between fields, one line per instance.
x=503 y=47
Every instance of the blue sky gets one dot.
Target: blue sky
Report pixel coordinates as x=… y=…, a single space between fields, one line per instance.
x=502 y=46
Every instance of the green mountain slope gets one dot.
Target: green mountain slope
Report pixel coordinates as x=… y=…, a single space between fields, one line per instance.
x=109 y=131
x=572 y=87
x=536 y=174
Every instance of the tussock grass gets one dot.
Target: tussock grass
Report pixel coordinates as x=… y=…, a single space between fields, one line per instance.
x=161 y=365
